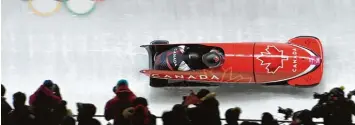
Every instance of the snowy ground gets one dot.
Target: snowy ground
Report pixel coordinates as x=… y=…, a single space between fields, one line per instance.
x=87 y=55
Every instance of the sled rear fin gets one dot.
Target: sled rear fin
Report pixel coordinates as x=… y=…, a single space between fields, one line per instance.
x=313 y=44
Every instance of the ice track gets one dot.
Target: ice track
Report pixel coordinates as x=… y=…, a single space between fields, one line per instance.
x=87 y=55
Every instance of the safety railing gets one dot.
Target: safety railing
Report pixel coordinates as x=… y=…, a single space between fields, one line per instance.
x=242 y=120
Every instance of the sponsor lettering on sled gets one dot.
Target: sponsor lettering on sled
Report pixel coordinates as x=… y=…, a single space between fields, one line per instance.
x=189 y=77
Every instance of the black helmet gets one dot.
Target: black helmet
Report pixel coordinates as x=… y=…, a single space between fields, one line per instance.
x=193 y=56
x=212 y=59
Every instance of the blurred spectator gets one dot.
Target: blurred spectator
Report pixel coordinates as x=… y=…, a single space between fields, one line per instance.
x=60 y=111
x=268 y=119
x=86 y=112
x=206 y=111
x=249 y=123
x=44 y=102
x=124 y=99
x=232 y=116
x=334 y=108
x=22 y=114
x=5 y=107
x=139 y=113
x=114 y=89
x=48 y=108
x=68 y=120
x=177 y=116
x=303 y=117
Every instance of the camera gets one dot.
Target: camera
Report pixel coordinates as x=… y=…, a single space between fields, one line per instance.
x=287 y=112
x=350 y=94
x=324 y=97
x=320 y=96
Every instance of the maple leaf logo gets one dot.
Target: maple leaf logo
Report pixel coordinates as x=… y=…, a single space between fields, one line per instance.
x=273 y=58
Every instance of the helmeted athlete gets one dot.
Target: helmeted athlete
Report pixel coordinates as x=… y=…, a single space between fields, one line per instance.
x=213 y=59
x=180 y=58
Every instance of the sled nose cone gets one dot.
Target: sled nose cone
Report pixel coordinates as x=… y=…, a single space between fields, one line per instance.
x=315 y=60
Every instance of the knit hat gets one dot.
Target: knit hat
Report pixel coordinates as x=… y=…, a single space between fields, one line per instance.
x=122 y=82
x=49 y=84
x=337 y=92
x=46 y=82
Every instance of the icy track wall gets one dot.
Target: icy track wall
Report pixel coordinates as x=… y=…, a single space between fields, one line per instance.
x=87 y=55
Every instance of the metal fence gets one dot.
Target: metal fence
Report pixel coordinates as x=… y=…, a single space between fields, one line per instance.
x=251 y=120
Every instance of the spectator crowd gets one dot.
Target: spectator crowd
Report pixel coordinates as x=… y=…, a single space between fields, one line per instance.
x=47 y=107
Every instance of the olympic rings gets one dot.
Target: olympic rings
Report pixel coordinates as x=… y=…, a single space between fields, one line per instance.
x=79 y=14
x=59 y=6
x=35 y=11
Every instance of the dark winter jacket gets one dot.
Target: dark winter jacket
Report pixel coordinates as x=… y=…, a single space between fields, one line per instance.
x=268 y=119
x=232 y=116
x=175 y=118
x=141 y=116
x=68 y=120
x=5 y=110
x=45 y=104
x=272 y=122
x=207 y=112
x=22 y=116
x=115 y=107
x=302 y=117
x=89 y=122
x=249 y=123
x=339 y=113
x=86 y=112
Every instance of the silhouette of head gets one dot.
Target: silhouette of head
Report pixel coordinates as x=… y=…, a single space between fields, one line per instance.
x=267 y=118
x=19 y=99
x=85 y=110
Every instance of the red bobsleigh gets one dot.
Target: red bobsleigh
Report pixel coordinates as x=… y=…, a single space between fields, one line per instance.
x=299 y=62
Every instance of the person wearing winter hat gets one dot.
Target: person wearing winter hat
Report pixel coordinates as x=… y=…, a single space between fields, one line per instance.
x=47 y=89
x=86 y=112
x=122 y=82
x=336 y=111
x=49 y=84
x=338 y=92
x=124 y=98
x=44 y=101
